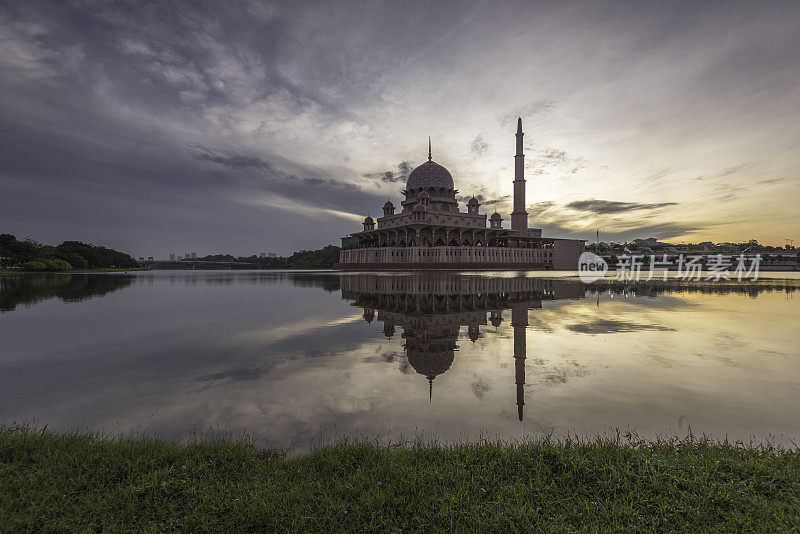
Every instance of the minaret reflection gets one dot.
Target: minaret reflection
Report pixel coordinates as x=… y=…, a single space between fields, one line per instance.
x=431 y=308
x=519 y=321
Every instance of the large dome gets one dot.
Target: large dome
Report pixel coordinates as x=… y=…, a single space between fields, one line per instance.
x=429 y=174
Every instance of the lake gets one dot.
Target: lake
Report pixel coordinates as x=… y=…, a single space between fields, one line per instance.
x=296 y=358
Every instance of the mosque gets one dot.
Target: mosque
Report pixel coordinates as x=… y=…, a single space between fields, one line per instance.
x=431 y=232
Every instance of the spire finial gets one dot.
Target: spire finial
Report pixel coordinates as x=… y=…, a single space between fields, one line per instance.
x=430 y=390
x=429 y=148
x=519 y=125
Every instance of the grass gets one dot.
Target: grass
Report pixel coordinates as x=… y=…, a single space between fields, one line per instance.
x=84 y=482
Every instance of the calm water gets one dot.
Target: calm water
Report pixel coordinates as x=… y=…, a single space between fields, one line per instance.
x=294 y=358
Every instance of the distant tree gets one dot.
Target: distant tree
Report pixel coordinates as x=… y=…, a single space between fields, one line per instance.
x=323 y=258
x=32 y=255
x=15 y=252
x=46 y=265
x=96 y=256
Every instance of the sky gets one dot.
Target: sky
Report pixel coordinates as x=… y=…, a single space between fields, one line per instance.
x=247 y=127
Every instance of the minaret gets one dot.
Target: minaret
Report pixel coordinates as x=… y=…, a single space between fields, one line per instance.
x=519 y=320
x=519 y=217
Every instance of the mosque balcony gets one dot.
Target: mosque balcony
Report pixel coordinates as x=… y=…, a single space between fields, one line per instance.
x=434 y=217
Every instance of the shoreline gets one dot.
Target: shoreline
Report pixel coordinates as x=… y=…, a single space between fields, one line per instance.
x=393 y=271
x=72 y=271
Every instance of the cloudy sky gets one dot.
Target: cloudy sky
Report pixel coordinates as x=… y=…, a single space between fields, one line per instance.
x=158 y=127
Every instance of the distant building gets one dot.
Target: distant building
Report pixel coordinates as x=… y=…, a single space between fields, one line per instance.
x=272 y=255
x=194 y=255
x=262 y=255
x=172 y=257
x=649 y=242
x=430 y=232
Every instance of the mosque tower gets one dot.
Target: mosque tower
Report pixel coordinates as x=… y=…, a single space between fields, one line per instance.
x=519 y=217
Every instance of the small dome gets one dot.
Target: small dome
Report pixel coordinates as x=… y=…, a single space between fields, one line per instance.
x=419 y=207
x=472 y=202
x=495 y=217
x=388 y=205
x=429 y=174
x=423 y=194
x=368 y=220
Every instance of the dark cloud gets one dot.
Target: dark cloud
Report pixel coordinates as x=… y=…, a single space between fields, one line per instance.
x=660 y=231
x=231 y=159
x=555 y=219
x=772 y=180
x=480 y=387
x=603 y=207
x=527 y=111
x=538 y=208
x=139 y=191
x=479 y=146
x=553 y=154
x=551 y=159
x=404 y=168
x=725 y=192
x=656 y=177
x=730 y=171
x=614 y=326
x=484 y=201
x=234 y=160
x=503 y=200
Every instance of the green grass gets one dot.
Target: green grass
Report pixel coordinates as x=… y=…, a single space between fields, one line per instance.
x=82 y=482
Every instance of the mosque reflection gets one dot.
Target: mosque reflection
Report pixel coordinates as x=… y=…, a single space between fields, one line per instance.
x=431 y=309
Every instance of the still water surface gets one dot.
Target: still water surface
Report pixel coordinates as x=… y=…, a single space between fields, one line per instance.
x=295 y=358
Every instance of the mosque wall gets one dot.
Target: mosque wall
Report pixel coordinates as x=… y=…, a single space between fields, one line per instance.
x=566 y=253
x=485 y=256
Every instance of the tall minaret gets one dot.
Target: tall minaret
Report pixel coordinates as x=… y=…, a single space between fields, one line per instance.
x=519 y=217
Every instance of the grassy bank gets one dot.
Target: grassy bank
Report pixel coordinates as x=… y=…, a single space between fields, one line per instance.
x=79 y=482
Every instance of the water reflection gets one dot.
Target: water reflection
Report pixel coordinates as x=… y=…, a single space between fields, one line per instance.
x=431 y=308
x=30 y=289
x=290 y=357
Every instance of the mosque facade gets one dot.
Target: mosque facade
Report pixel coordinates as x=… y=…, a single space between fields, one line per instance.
x=429 y=231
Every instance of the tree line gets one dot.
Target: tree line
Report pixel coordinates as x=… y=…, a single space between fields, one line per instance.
x=30 y=255
x=323 y=258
